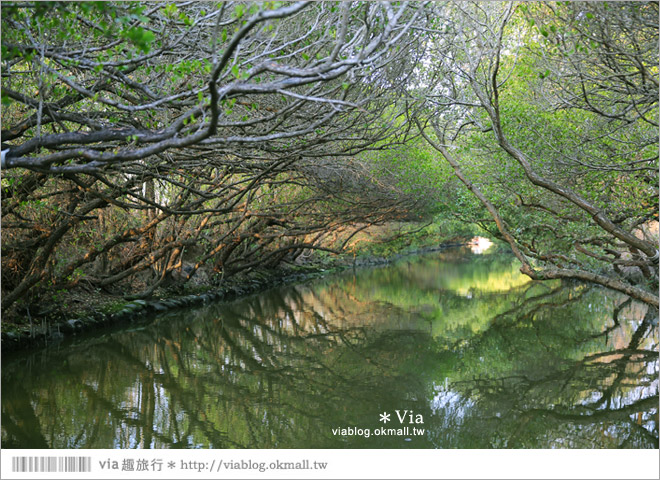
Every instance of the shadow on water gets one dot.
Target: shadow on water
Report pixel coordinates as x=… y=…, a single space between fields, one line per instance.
x=487 y=358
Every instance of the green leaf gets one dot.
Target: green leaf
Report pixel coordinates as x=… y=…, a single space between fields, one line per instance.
x=185 y=19
x=234 y=71
x=140 y=37
x=171 y=10
x=148 y=37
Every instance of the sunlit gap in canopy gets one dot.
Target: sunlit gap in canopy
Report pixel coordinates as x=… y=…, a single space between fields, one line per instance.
x=479 y=245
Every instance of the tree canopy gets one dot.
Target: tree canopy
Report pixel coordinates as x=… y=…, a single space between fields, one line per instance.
x=548 y=114
x=143 y=141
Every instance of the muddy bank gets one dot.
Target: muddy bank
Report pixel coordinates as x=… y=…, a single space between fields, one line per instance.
x=51 y=331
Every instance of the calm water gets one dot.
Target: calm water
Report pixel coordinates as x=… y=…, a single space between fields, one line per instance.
x=464 y=343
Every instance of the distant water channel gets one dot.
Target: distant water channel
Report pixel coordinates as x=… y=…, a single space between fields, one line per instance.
x=482 y=356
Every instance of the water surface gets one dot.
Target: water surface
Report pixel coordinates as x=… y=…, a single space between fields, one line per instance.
x=483 y=356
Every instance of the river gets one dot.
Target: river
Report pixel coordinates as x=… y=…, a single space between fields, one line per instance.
x=444 y=350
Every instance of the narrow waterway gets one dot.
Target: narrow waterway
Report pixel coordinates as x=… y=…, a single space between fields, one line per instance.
x=445 y=350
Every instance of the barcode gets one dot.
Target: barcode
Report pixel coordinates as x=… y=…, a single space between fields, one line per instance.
x=51 y=464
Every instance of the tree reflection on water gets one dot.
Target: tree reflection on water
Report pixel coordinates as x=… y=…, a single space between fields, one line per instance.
x=489 y=359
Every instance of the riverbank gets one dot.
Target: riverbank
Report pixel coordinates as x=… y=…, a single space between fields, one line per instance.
x=94 y=311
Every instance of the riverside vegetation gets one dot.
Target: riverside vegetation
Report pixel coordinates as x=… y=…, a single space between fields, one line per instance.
x=156 y=154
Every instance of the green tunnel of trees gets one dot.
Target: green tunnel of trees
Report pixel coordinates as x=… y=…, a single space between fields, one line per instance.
x=149 y=143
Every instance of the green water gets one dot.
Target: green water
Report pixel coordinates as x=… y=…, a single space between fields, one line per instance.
x=464 y=343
